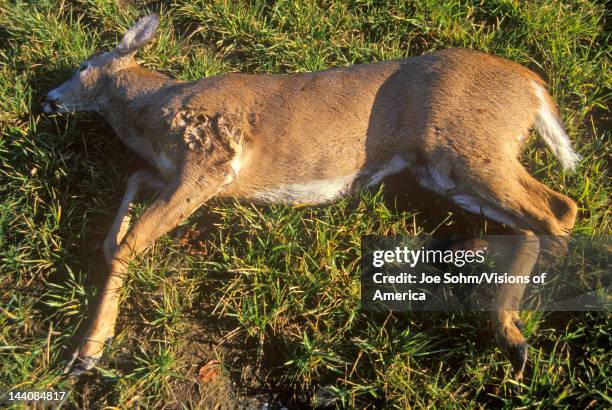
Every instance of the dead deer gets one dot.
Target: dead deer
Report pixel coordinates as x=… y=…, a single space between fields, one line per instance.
x=454 y=119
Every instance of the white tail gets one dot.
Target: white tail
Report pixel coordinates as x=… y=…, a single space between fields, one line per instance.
x=551 y=130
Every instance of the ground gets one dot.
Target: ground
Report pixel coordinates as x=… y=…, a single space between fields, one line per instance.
x=245 y=305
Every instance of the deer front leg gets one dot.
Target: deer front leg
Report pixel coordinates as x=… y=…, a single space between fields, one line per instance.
x=504 y=316
x=136 y=182
x=176 y=202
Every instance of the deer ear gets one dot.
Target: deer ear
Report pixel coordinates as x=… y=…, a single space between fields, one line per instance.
x=138 y=35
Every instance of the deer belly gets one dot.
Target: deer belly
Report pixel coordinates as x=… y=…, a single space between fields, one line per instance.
x=325 y=190
x=312 y=192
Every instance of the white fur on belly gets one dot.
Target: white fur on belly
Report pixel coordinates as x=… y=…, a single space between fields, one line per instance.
x=326 y=190
x=311 y=192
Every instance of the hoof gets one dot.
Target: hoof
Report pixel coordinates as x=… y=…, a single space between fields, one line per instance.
x=513 y=346
x=80 y=363
x=518 y=358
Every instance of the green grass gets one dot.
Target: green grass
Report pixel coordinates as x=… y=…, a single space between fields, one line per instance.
x=272 y=292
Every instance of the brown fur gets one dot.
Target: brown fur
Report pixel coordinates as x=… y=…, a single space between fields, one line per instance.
x=456 y=118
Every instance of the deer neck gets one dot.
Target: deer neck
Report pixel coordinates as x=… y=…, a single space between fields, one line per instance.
x=128 y=89
x=129 y=92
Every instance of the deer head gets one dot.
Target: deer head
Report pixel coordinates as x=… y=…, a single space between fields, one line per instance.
x=84 y=91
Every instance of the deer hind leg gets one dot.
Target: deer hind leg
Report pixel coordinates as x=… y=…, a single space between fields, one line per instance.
x=516 y=255
x=175 y=203
x=516 y=199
